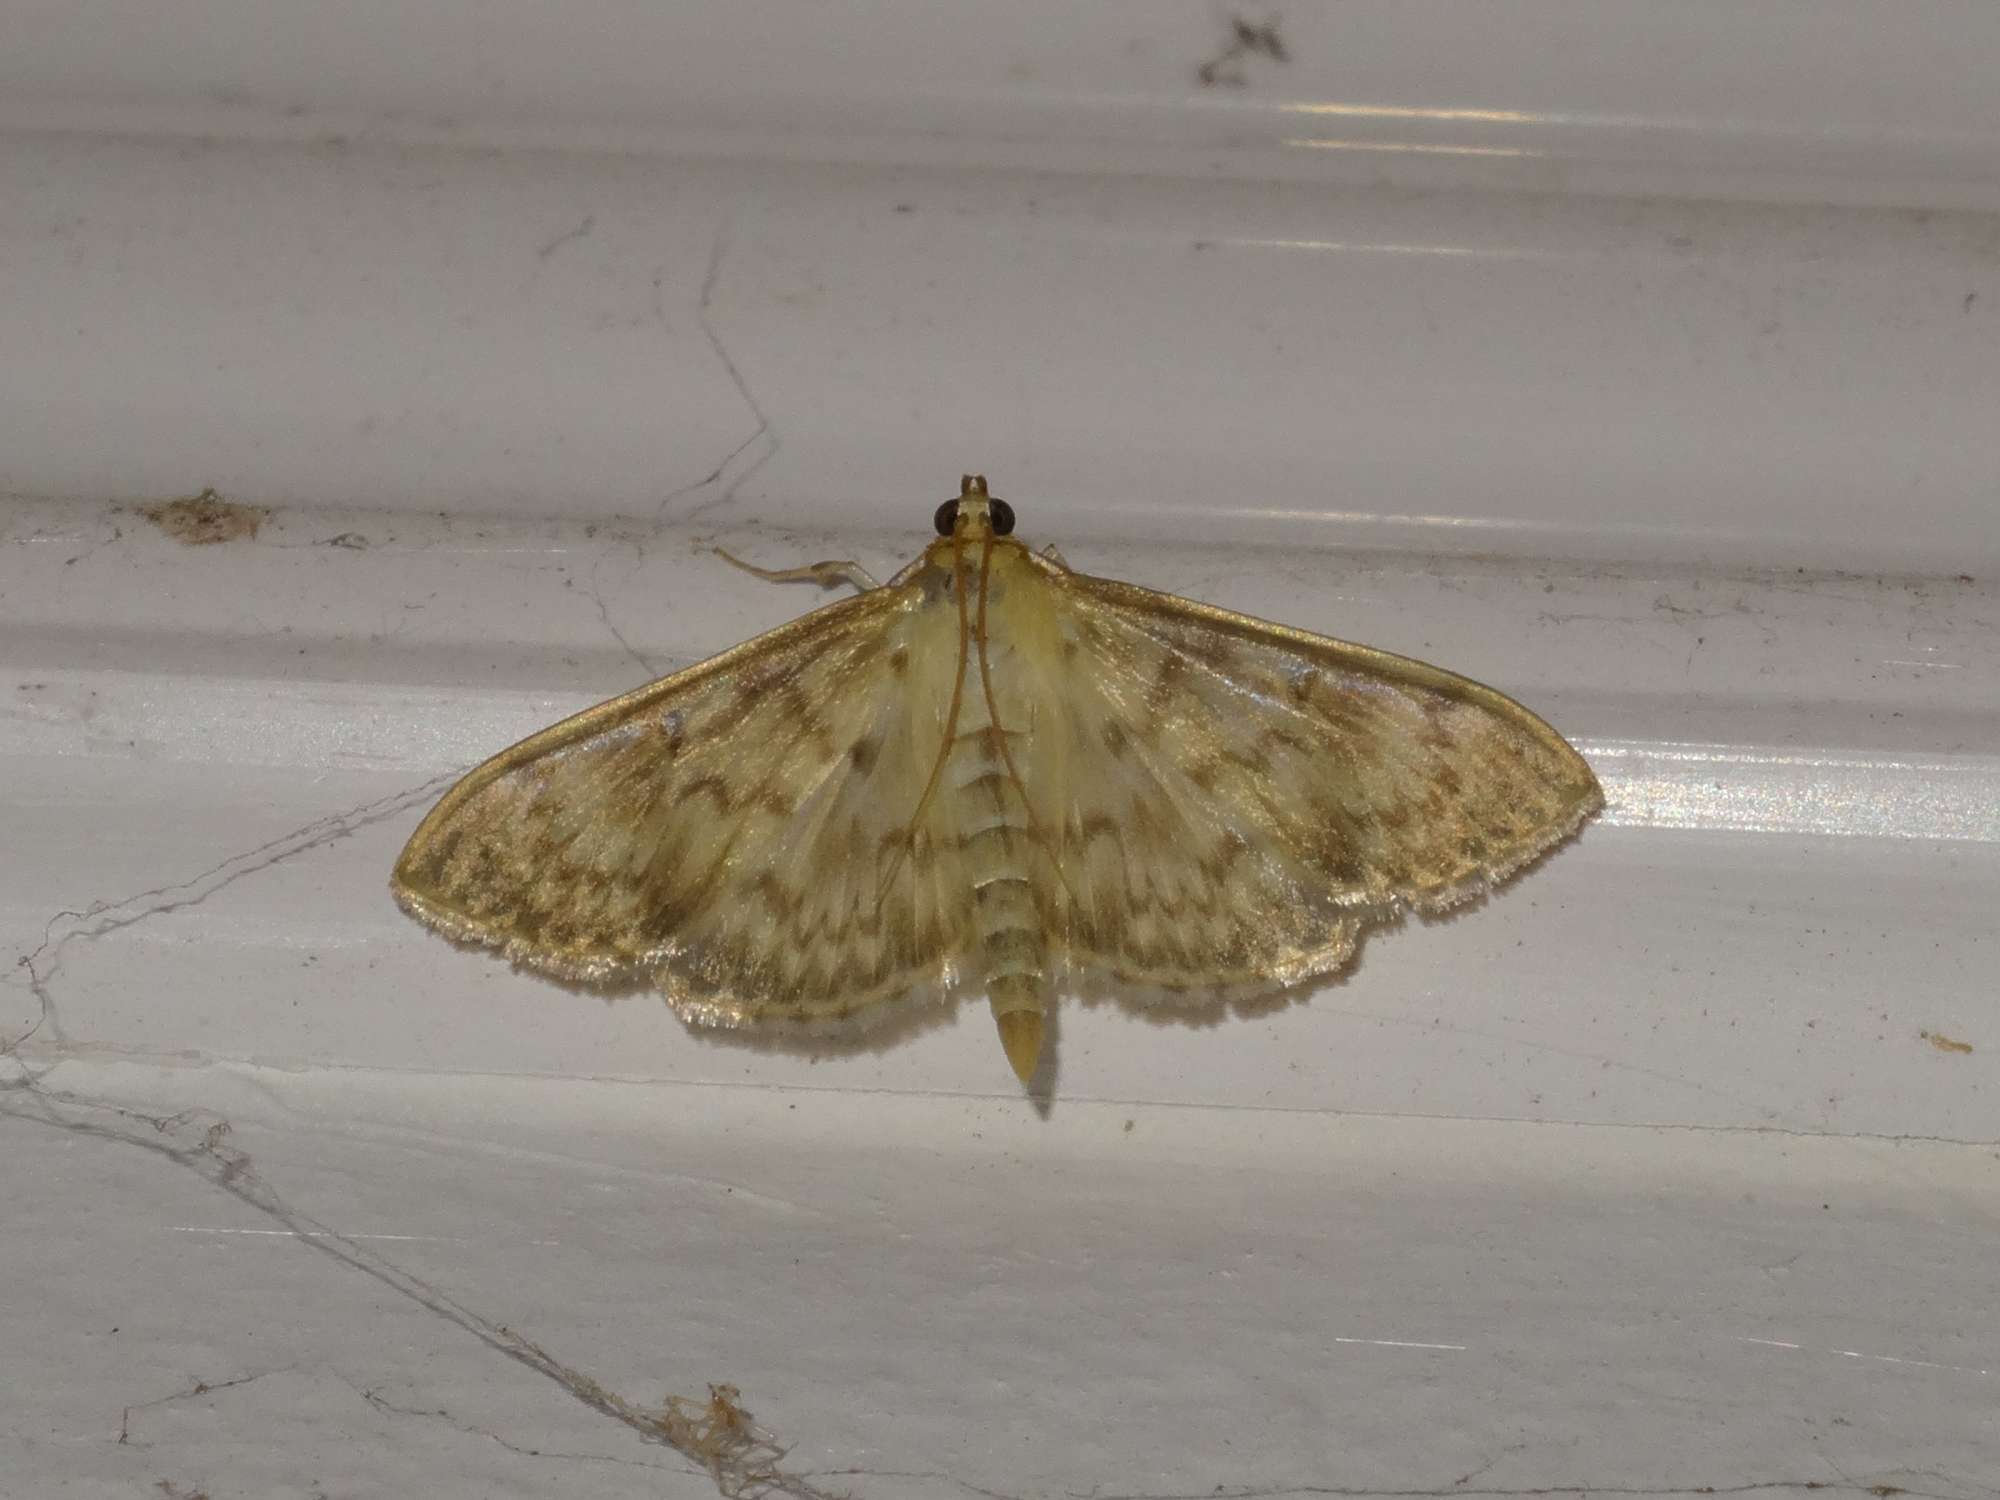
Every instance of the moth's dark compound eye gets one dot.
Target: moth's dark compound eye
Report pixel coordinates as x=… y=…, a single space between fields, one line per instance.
x=946 y=517
x=1003 y=518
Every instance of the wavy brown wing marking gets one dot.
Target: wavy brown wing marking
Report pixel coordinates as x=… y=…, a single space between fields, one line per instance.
x=719 y=829
x=1241 y=798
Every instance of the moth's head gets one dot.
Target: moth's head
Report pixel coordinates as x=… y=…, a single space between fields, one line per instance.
x=974 y=514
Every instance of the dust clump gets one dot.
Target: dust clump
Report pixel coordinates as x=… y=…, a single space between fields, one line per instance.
x=204 y=520
x=741 y=1457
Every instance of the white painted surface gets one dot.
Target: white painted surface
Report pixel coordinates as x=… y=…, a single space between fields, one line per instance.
x=1803 y=100
x=415 y=329
x=1636 y=359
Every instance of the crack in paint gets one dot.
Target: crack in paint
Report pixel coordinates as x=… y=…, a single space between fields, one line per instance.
x=197 y=1140
x=100 y=918
x=764 y=431
x=199 y=1388
x=389 y=1408
x=740 y=1457
x=604 y=612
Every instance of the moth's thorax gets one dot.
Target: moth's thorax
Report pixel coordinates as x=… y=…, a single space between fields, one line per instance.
x=963 y=552
x=975 y=518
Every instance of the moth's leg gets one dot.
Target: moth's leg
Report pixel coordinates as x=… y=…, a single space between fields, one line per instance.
x=1057 y=558
x=825 y=574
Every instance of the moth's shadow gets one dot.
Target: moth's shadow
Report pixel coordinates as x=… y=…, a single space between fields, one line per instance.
x=888 y=1027
x=1209 y=1008
x=1250 y=1001
x=931 y=1007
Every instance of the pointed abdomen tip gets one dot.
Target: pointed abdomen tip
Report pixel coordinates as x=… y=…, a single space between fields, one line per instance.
x=1021 y=1035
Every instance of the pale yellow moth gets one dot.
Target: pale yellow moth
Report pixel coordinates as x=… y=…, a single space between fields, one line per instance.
x=992 y=774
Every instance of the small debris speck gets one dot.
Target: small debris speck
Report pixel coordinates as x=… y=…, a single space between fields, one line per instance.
x=1247 y=39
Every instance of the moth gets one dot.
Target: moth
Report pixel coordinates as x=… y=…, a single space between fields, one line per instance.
x=992 y=774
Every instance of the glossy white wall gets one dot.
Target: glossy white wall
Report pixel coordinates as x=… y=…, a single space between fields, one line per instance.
x=1636 y=359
